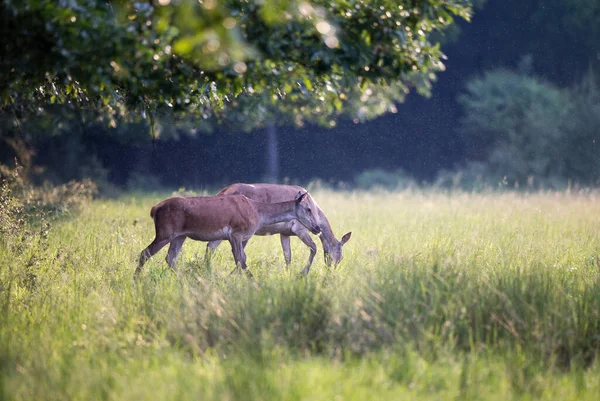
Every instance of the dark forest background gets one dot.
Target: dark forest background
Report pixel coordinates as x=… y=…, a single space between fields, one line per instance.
x=517 y=105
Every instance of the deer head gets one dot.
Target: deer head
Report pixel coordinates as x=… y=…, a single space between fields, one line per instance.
x=306 y=213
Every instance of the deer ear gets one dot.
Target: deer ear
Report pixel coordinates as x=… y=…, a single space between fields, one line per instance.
x=300 y=196
x=346 y=237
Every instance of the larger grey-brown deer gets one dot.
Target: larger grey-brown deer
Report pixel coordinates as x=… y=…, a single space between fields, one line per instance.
x=215 y=218
x=332 y=248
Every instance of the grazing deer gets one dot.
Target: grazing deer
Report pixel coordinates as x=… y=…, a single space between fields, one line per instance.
x=215 y=218
x=332 y=248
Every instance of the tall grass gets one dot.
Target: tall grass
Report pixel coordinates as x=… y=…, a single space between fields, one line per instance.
x=466 y=296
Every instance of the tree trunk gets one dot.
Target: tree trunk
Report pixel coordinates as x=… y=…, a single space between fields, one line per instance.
x=272 y=154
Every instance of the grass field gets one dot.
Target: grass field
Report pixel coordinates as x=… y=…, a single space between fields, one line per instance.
x=462 y=296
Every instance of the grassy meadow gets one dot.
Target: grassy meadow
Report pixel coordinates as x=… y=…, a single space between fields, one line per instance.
x=439 y=296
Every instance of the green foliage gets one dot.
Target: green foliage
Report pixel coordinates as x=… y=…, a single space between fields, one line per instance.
x=475 y=176
x=377 y=178
x=187 y=57
x=583 y=131
x=489 y=296
x=11 y=213
x=23 y=204
x=528 y=130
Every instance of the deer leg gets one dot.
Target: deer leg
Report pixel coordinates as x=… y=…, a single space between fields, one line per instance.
x=174 y=250
x=244 y=266
x=237 y=247
x=304 y=236
x=211 y=248
x=147 y=253
x=234 y=249
x=287 y=251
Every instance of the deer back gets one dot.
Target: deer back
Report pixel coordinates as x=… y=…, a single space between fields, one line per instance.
x=204 y=217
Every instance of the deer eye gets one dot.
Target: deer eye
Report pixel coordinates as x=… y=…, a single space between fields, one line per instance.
x=309 y=210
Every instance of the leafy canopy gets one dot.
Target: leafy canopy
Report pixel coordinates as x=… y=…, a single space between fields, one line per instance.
x=198 y=57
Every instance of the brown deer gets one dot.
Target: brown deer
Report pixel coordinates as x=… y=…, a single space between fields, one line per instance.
x=332 y=248
x=215 y=218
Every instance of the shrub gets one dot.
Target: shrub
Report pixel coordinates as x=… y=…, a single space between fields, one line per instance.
x=21 y=202
x=474 y=176
x=378 y=178
x=526 y=130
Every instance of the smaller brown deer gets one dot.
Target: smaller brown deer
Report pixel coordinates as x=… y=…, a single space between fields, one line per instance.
x=210 y=218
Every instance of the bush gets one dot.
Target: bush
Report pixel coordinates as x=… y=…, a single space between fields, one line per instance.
x=378 y=178
x=526 y=130
x=21 y=202
x=473 y=177
x=583 y=132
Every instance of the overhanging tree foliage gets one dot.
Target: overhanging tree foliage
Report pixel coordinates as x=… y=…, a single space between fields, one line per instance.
x=203 y=58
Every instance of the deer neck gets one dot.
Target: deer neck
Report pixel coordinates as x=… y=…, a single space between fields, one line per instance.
x=327 y=237
x=271 y=213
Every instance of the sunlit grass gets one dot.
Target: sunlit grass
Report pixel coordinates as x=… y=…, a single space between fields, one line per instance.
x=480 y=296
